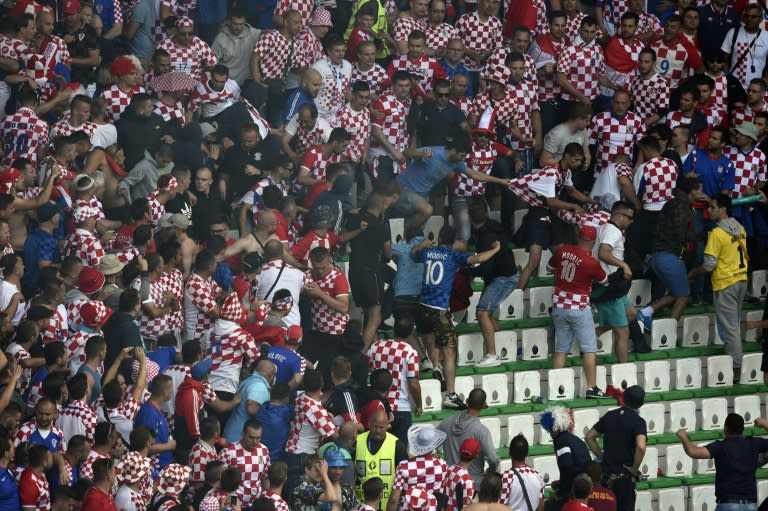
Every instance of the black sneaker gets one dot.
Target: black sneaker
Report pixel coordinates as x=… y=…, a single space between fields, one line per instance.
x=452 y=400
x=383 y=327
x=596 y=393
x=437 y=373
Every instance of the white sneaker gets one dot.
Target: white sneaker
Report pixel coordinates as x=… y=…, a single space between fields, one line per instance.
x=426 y=365
x=489 y=361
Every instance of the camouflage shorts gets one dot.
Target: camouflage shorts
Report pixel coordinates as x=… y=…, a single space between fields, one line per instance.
x=439 y=322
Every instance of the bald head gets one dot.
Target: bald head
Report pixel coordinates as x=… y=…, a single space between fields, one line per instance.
x=379 y=416
x=266 y=368
x=311 y=82
x=348 y=432
x=269 y=220
x=273 y=250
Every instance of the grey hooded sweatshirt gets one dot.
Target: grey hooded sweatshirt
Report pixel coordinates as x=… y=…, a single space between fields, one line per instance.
x=459 y=428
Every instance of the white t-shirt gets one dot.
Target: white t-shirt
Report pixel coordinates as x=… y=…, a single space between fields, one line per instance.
x=606 y=186
x=291 y=279
x=560 y=136
x=752 y=65
x=609 y=234
x=7 y=290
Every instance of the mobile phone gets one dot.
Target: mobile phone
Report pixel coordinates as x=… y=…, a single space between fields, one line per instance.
x=232 y=500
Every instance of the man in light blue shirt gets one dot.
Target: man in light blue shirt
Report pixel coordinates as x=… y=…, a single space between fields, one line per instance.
x=430 y=166
x=254 y=391
x=139 y=30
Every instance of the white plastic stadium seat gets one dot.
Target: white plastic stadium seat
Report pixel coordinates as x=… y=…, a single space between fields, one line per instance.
x=670 y=499
x=494 y=428
x=623 y=375
x=750 y=369
x=639 y=292
x=713 y=413
x=540 y=299
x=748 y=407
x=526 y=385
x=506 y=345
x=601 y=376
x=513 y=306
x=517 y=219
x=762 y=490
x=704 y=466
x=396 y=229
x=464 y=385
x=677 y=463
x=664 y=334
x=469 y=349
x=534 y=343
x=547 y=467
x=431 y=396
x=701 y=497
x=695 y=331
x=546 y=255
x=643 y=500
x=560 y=384
x=720 y=371
x=758 y=286
x=496 y=388
x=471 y=316
x=682 y=415
x=656 y=375
x=521 y=257
x=653 y=413
x=584 y=419
x=520 y=424
x=751 y=335
x=504 y=465
x=605 y=343
x=432 y=227
x=650 y=465
x=688 y=373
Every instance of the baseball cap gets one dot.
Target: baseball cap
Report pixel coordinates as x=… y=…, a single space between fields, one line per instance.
x=469 y=449
x=71 y=6
x=295 y=333
x=178 y=220
x=335 y=458
x=587 y=233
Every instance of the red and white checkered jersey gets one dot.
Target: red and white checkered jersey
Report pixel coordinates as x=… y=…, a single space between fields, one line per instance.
x=614 y=136
x=463 y=103
x=649 y=23
x=499 y=56
x=649 y=95
x=168 y=112
x=252 y=464
x=358 y=125
x=545 y=50
x=455 y=477
x=614 y=10
x=749 y=168
x=58 y=325
x=720 y=93
x=547 y=182
x=22 y=134
x=391 y=115
x=621 y=58
x=301 y=249
x=86 y=469
x=505 y=109
x=742 y=114
x=574 y=270
x=277 y=500
x=427 y=472
x=121 y=416
x=274 y=51
x=192 y=59
x=659 y=178
x=309 y=49
x=438 y=36
x=73 y=311
x=307 y=138
x=715 y=116
x=526 y=101
x=674 y=61
x=64 y=129
x=426 y=68
x=199 y=457
x=324 y=318
x=199 y=298
x=479 y=35
x=511 y=491
x=311 y=424
x=34 y=485
x=85 y=246
x=335 y=87
x=15 y=49
x=402 y=362
x=76 y=346
x=174 y=281
x=18 y=353
x=675 y=118
x=228 y=351
x=117 y=100
x=55 y=46
x=304 y=7
x=583 y=64
x=28 y=428
x=405 y=25
x=377 y=78
x=574 y=23
x=317 y=162
x=77 y=418
x=153 y=328
x=481 y=160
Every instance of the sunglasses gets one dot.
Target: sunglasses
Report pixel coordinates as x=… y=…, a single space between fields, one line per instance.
x=442 y=94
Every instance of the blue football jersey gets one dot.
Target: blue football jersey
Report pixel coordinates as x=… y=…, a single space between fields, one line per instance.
x=440 y=266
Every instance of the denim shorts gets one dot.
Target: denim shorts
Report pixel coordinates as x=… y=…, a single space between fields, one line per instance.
x=670 y=269
x=574 y=324
x=496 y=292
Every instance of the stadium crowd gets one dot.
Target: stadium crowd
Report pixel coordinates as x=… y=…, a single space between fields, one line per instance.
x=193 y=195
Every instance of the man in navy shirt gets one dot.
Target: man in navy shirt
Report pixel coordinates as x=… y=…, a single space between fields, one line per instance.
x=151 y=415
x=735 y=462
x=434 y=322
x=40 y=248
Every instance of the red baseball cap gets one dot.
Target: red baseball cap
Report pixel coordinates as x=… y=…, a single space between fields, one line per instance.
x=587 y=233
x=469 y=449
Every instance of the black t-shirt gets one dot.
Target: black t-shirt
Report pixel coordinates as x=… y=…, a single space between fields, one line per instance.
x=233 y=164
x=367 y=246
x=500 y=265
x=435 y=125
x=620 y=428
x=572 y=454
x=85 y=41
x=735 y=465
